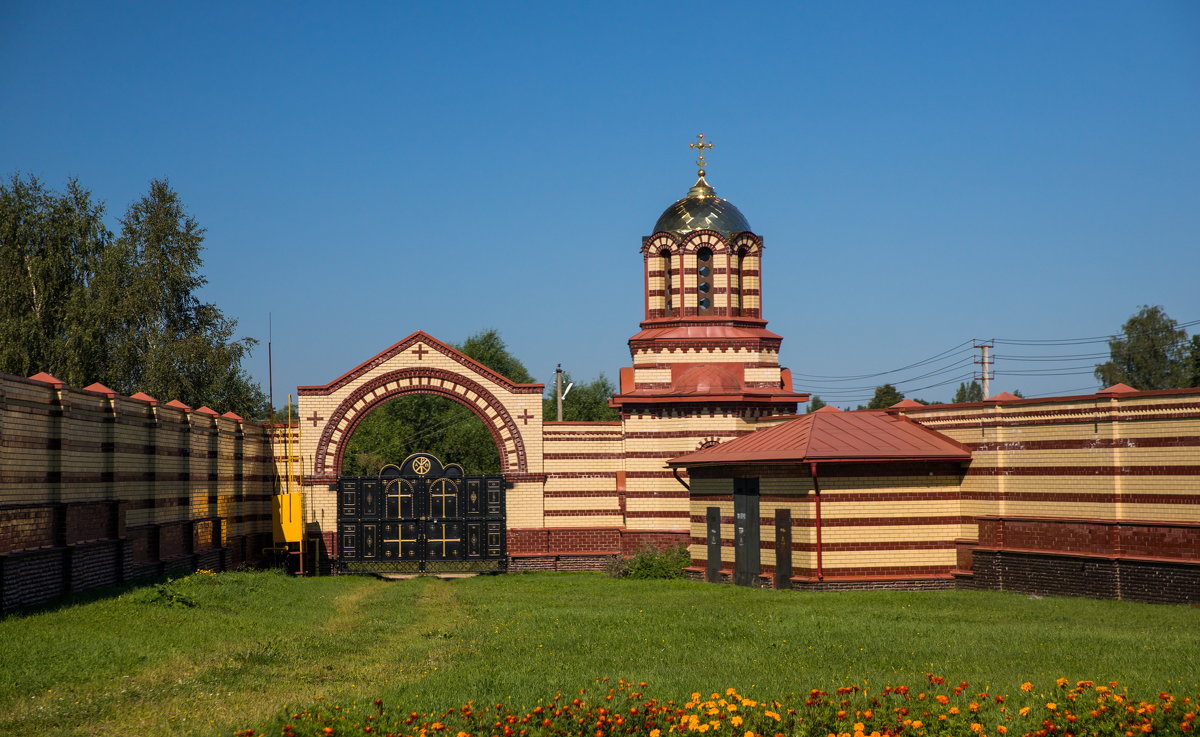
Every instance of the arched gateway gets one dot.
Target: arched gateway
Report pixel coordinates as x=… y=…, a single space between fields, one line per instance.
x=420 y=364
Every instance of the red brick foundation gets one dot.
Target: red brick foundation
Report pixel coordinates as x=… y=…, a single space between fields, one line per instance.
x=1138 y=560
x=573 y=548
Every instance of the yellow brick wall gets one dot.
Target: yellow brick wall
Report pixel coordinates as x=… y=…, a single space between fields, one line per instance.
x=63 y=445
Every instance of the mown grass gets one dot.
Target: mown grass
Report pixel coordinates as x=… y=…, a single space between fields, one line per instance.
x=257 y=642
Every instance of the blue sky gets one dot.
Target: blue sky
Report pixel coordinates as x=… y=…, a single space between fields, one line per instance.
x=923 y=173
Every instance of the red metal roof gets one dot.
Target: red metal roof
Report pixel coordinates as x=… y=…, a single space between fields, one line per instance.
x=865 y=435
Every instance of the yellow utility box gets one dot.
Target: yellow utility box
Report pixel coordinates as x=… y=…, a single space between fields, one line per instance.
x=287 y=517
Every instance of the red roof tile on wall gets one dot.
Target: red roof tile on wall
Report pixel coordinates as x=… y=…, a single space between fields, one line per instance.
x=866 y=435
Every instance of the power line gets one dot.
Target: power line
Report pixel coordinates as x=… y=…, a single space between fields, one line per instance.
x=953 y=359
x=884 y=373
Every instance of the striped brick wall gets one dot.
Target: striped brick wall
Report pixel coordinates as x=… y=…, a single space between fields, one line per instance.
x=97 y=488
x=1096 y=495
x=1133 y=456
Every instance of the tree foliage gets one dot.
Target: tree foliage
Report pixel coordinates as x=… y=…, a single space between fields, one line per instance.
x=423 y=423
x=1152 y=352
x=815 y=403
x=86 y=306
x=586 y=402
x=885 y=396
x=972 y=392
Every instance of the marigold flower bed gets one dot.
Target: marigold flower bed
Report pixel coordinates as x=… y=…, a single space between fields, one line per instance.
x=936 y=708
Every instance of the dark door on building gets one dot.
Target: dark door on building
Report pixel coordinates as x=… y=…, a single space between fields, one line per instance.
x=746 y=531
x=421 y=517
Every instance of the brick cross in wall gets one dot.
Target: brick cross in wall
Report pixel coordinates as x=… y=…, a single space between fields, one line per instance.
x=315 y=418
x=420 y=351
x=525 y=417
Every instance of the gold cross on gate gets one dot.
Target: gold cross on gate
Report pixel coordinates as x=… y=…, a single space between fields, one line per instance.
x=440 y=487
x=404 y=493
x=443 y=540
x=400 y=539
x=700 y=145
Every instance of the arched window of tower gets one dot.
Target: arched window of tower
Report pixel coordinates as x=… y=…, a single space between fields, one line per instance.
x=668 y=302
x=735 y=284
x=704 y=264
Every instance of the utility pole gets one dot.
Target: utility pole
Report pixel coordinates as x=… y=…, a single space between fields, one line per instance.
x=270 y=373
x=558 y=396
x=559 y=393
x=985 y=363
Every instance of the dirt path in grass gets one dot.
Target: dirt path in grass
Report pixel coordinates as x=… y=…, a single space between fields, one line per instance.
x=374 y=634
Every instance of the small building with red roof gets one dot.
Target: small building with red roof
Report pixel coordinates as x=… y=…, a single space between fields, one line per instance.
x=867 y=472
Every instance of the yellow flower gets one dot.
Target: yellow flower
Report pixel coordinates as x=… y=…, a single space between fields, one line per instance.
x=736 y=721
x=1024 y=711
x=749 y=733
x=772 y=714
x=1026 y=686
x=655 y=732
x=1051 y=705
x=1060 y=682
x=917 y=724
x=976 y=727
x=859 y=726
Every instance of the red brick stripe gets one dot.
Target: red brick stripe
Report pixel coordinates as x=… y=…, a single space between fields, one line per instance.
x=1085 y=471
x=1173 y=441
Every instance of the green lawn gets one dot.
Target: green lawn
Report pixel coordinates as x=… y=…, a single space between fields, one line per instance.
x=256 y=642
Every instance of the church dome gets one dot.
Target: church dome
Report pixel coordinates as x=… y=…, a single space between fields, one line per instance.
x=702 y=210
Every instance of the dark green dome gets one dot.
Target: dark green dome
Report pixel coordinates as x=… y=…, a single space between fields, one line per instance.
x=702 y=210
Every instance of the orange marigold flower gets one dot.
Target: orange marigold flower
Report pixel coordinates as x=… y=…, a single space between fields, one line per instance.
x=1060 y=682
x=918 y=724
x=1051 y=705
x=327 y=730
x=1026 y=686
x=976 y=727
x=1002 y=729
x=1024 y=711
x=943 y=699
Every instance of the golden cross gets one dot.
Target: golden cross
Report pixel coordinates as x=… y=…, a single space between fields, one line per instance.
x=441 y=487
x=700 y=145
x=404 y=493
x=400 y=539
x=443 y=540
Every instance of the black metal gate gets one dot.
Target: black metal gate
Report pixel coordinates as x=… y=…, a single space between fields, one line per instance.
x=421 y=517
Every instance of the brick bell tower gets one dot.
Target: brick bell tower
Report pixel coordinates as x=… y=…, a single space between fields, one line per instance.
x=704 y=355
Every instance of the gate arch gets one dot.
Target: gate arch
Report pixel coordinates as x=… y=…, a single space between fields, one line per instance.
x=327 y=460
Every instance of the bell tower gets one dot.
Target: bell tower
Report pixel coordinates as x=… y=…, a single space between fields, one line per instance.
x=703 y=346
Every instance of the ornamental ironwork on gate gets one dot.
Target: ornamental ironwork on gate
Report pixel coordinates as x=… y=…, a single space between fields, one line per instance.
x=421 y=517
